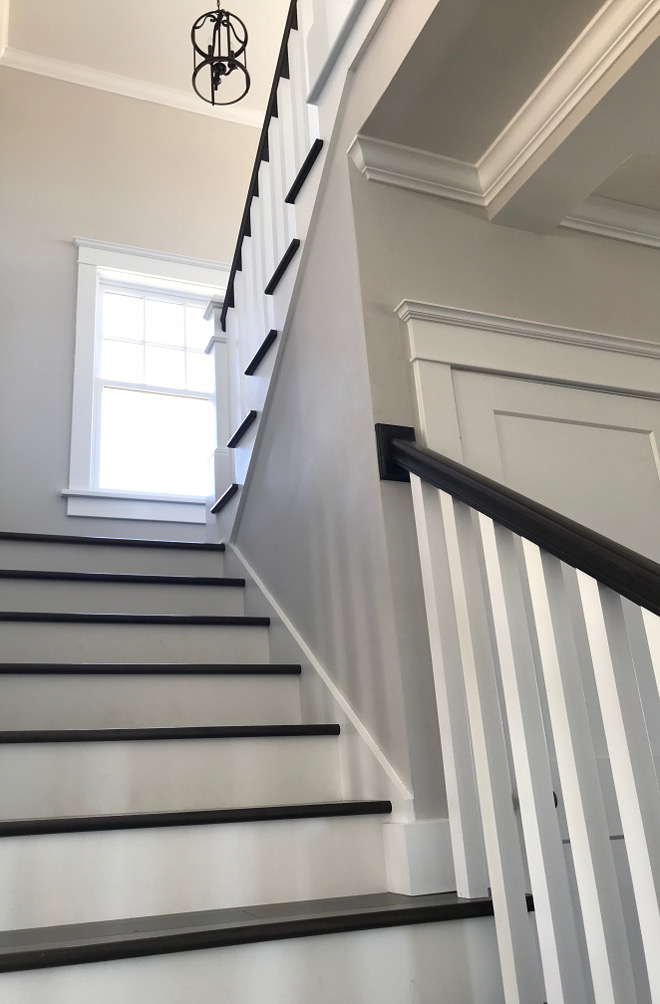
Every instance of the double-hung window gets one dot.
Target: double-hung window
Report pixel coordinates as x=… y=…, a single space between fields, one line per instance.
x=144 y=415
x=154 y=417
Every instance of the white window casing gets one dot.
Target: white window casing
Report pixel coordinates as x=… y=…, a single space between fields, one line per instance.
x=100 y=262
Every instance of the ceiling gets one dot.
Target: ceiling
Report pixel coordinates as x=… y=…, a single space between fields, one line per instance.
x=636 y=181
x=143 y=41
x=471 y=69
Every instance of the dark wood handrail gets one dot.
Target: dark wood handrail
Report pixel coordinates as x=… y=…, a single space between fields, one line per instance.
x=281 y=70
x=628 y=573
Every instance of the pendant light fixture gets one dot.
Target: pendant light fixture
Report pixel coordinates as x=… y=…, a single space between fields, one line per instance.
x=219 y=41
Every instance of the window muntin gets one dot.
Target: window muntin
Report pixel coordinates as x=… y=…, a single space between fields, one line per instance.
x=154 y=420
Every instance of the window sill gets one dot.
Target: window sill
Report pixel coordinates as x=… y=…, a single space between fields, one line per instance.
x=135 y=505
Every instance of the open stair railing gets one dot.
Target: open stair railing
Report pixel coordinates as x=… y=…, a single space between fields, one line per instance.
x=545 y=639
x=251 y=319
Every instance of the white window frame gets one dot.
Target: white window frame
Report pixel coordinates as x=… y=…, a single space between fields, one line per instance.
x=99 y=260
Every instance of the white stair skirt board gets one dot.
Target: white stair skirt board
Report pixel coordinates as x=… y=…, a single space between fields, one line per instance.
x=124 y=701
x=454 y=962
x=71 y=642
x=79 y=779
x=62 y=596
x=108 y=558
x=76 y=877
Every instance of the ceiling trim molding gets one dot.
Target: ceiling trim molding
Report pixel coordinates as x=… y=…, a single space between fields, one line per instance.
x=620 y=221
x=4 y=26
x=417 y=170
x=114 y=83
x=412 y=310
x=594 y=53
x=591 y=56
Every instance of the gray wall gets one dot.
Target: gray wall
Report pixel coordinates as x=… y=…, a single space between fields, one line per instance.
x=81 y=162
x=335 y=546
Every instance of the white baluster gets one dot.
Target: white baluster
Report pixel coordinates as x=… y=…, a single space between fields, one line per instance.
x=600 y=900
x=285 y=99
x=631 y=757
x=277 y=186
x=553 y=908
x=299 y=87
x=266 y=238
x=462 y=800
x=520 y=974
x=652 y=627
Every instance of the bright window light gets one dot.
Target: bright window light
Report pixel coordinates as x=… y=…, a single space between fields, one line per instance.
x=154 y=383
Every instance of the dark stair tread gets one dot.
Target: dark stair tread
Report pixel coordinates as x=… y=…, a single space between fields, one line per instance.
x=197 y=817
x=166 y=733
x=72 y=944
x=150 y=669
x=166 y=580
x=65 y=538
x=30 y=617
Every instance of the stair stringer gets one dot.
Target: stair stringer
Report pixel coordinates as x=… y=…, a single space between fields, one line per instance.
x=417 y=851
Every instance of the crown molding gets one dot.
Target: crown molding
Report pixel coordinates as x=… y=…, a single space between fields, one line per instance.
x=412 y=310
x=114 y=83
x=620 y=221
x=416 y=170
x=606 y=38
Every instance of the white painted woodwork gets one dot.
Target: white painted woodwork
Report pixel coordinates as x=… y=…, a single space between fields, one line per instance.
x=65 y=642
x=390 y=966
x=62 y=596
x=598 y=890
x=520 y=974
x=464 y=813
x=108 y=558
x=555 y=921
x=71 y=878
x=97 y=701
x=76 y=779
x=631 y=756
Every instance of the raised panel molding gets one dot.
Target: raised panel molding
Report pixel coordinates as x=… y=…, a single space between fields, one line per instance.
x=411 y=310
x=583 y=66
x=114 y=83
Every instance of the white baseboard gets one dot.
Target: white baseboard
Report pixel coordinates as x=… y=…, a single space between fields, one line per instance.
x=418 y=857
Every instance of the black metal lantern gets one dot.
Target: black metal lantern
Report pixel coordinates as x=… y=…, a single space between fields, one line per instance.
x=222 y=56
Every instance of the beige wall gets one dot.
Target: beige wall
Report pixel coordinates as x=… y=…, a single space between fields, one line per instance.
x=81 y=162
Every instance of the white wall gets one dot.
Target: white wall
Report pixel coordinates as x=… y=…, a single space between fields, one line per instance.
x=81 y=162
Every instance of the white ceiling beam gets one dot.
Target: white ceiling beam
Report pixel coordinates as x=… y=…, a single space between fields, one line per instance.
x=556 y=181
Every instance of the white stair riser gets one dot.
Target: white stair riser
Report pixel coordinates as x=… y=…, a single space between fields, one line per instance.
x=41 y=701
x=71 y=878
x=79 y=779
x=107 y=558
x=454 y=962
x=71 y=642
x=59 y=596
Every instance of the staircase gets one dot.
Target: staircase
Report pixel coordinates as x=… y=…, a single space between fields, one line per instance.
x=159 y=794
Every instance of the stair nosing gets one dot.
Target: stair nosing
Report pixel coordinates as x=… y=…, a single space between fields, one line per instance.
x=64 y=538
x=150 y=669
x=196 y=620
x=349 y=915
x=44 y=826
x=121 y=577
x=164 y=733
